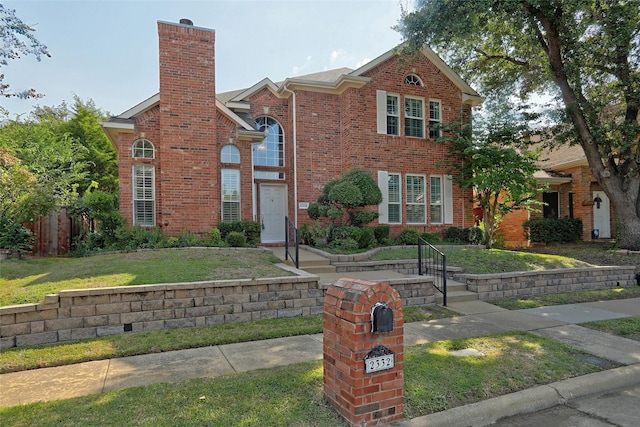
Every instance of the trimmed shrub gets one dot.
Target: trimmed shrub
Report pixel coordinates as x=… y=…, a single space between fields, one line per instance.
x=227 y=227
x=367 y=238
x=553 y=230
x=236 y=239
x=408 y=236
x=344 y=245
x=215 y=238
x=252 y=231
x=381 y=232
x=476 y=236
x=432 y=238
x=362 y=217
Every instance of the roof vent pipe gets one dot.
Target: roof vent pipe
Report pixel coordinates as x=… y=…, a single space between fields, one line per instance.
x=185 y=21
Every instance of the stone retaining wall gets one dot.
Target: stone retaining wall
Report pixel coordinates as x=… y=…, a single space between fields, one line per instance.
x=90 y=313
x=507 y=285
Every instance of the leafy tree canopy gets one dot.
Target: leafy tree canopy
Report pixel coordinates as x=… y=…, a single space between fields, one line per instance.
x=17 y=40
x=586 y=53
x=64 y=153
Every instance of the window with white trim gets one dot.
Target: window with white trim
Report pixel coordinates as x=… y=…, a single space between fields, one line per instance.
x=416 y=200
x=393 y=115
x=230 y=195
x=143 y=149
x=271 y=151
x=395 y=198
x=230 y=154
x=435 y=118
x=144 y=195
x=414 y=117
x=441 y=199
x=414 y=80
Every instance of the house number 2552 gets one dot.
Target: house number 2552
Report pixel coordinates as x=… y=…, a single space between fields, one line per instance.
x=380 y=363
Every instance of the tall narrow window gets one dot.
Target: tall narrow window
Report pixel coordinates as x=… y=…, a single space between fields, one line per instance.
x=416 y=202
x=143 y=149
x=271 y=151
x=393 y=115
x=395 y=198
x=230 y=195
x=436 y=200
x=414 y=117
x=143 y=195
x=435 y=119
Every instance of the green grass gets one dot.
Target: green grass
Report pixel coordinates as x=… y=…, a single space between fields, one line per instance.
x=293 y=395
x=479 y=261
x=628 y=327
x=28 y=281
x=23 y=358
x=533 y=301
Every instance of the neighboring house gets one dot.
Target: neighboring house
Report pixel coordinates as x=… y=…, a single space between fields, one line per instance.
x=190 y=158
x=572 y=192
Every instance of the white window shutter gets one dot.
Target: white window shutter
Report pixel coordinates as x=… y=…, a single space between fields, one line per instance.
x=447 y=199
x=381 y=108
x=383 y=208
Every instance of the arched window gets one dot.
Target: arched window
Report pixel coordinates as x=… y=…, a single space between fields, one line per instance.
x=412 y=79
x=271 y=151
x=230 y=154
x=143 y=149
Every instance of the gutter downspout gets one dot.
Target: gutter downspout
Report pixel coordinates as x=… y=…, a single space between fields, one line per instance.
x=295 y=156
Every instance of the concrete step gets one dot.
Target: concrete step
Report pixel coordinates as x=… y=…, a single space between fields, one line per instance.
x=456 y=296
x=318 y=269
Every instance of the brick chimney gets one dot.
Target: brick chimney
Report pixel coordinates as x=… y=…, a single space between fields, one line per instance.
x=187 y=150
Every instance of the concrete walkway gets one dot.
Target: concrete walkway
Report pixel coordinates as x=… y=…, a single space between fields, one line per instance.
x=478 y=318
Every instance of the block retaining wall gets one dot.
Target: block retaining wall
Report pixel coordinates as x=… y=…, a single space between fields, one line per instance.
x=90 y=313
x=507 y=285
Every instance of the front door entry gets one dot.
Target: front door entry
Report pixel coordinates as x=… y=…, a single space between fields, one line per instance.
x=273 y=209
x=601 y=215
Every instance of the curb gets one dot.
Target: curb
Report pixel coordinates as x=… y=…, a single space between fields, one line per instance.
x=530 y=400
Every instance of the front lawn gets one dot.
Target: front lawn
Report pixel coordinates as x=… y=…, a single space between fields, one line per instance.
x=28 y=281
x=435 y=380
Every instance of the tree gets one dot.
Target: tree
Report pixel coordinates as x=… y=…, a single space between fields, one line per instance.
x=494 y=162
x=349 y=194
x=585 y=52
x=17 y=41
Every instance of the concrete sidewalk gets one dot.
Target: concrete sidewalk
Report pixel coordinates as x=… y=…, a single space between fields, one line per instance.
x=478 y=318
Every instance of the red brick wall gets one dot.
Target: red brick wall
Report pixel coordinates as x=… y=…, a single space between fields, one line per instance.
x=187 y=154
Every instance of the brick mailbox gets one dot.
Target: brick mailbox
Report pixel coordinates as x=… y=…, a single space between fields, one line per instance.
x=363 y=345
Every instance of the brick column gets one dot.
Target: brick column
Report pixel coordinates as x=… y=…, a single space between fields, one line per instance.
x=363 y=399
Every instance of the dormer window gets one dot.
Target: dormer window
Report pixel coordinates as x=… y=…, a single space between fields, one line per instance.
x=143 y=149
x=412 y=79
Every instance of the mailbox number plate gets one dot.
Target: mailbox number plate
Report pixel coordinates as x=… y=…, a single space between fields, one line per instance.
x=380 y=363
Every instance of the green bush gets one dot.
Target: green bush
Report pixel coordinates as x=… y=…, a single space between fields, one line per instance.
x=215 y=238
x=362 y=217
x=344 y=245
x=236 y=239
x=14 y=237
x=252 y=231
x=456 y=235
x=346 y=195
x=227 y=227
x=344 y=232
x=553 y=230
x=381 y=232
x=367 y=238
x=314 y=211
x=408 y=236
x=476 y=236
x=432 y=238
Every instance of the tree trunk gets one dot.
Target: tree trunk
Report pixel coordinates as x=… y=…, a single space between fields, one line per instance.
x=622 y=190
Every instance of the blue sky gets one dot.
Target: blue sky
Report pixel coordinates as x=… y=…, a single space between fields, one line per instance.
x=108 y=50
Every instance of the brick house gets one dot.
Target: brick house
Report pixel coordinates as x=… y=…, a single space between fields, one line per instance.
x=190 y=158
x=572 y=192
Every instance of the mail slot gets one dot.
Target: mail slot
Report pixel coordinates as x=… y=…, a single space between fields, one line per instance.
x=381 y=318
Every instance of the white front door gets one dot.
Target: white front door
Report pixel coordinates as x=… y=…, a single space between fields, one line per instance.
x=273 y=209
x=601 y=215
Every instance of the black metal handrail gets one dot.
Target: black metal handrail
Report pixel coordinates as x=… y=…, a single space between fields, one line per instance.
x=290 y=229
x=432 y=261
